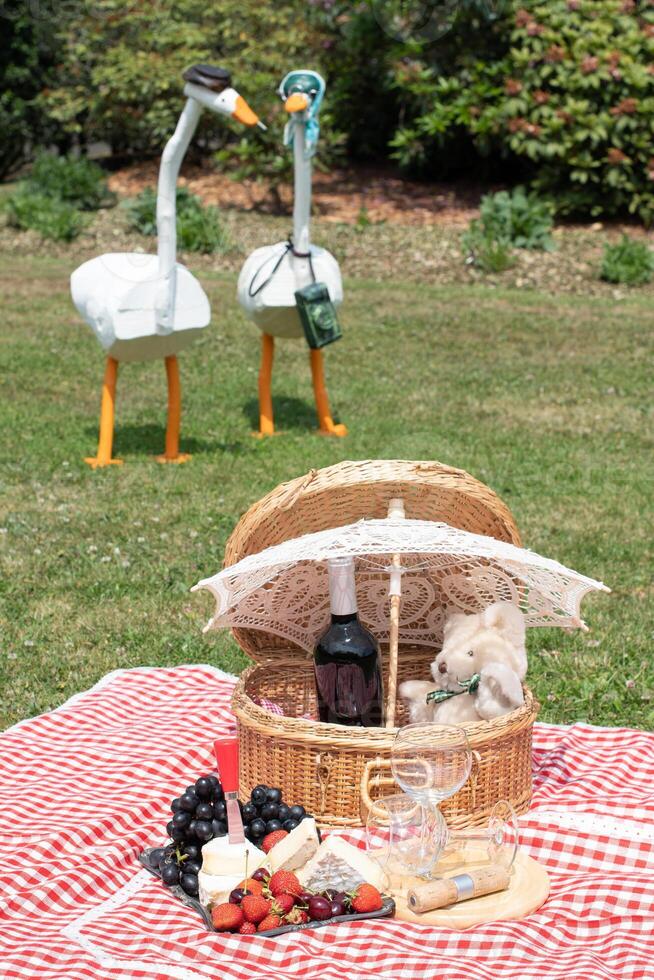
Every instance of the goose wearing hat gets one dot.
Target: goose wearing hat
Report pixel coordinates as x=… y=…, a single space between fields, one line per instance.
x=272 y=275
x=146 y=307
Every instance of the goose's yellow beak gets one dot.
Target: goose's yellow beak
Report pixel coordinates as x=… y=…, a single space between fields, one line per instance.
x=296 y=102
x=243 y=113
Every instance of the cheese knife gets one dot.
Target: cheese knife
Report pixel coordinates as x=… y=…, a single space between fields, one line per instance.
x=226 y=750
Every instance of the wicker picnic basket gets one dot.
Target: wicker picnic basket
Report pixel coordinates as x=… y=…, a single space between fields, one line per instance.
x=337 y=772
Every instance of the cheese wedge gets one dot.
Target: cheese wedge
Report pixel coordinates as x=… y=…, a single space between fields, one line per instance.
x=215 y=889
x=339 y=865
x=219 y=857
x=295 y=850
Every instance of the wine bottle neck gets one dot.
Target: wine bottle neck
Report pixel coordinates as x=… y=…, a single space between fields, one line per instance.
x=342 y=590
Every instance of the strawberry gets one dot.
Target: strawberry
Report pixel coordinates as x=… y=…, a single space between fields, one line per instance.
x=296 y=916
x=255 y=908
x=251 y=886
x=271 y=839
x=284 y=882
x=248 y=929
x=226 y=917
x=366 y=899
x=283 y=904
x=270 y=922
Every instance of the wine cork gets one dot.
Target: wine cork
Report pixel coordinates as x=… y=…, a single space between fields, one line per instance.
x=448 y=891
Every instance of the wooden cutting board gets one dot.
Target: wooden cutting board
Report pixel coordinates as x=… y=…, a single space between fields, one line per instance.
x=528 y=890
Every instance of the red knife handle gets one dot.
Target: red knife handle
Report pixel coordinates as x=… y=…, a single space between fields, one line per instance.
x=226 y=750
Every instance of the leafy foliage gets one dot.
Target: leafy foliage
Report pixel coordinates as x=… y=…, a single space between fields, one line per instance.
x=27 y=54
x=629 y=261
x=69 y=178
x=50 y=216
x=121 y=77
x=508 y=219
x=573 y=97
x=199 y=228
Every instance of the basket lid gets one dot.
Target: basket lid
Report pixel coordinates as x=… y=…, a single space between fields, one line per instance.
x=350 y=491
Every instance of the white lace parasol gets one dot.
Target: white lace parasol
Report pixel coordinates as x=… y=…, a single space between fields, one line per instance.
x=284 y=588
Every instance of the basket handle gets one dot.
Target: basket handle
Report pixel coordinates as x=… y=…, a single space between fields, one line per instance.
x=370 y=779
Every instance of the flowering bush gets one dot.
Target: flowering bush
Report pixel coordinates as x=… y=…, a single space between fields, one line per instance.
x=573 y=97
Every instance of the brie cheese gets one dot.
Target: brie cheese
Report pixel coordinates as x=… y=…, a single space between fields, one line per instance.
x=215 y=889
x=219 y=857
x=296 y=849
x=339 y=865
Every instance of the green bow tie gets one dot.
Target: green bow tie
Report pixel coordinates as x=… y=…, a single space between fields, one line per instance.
x=468 y=687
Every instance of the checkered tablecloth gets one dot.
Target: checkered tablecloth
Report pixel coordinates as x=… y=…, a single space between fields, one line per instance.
x=87 y=786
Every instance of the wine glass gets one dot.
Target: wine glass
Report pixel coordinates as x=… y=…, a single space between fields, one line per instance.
x=403 y=836
x=430 y=762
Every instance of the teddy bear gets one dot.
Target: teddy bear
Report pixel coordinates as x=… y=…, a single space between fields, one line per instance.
x=479 y=671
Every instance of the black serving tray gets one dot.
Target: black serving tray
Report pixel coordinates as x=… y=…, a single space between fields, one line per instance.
x=388 y=907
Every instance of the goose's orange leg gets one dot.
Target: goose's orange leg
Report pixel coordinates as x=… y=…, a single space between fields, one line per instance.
x=172 y=453
x=107 y=410
x=326 y=425
x=266 y=423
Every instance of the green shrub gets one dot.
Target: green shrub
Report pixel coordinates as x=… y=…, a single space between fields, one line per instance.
x=199 y=228
x=629 y=261
x=69 y=178
x=573 y=98
x=516 y=218
x=50 y=216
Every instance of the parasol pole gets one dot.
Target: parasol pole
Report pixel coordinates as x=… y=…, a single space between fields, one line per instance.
x=395 y=510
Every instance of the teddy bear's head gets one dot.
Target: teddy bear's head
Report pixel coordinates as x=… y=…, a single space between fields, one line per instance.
x=470 y=642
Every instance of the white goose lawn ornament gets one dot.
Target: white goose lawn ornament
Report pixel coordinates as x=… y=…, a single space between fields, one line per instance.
x=142 y=307
x=271 y=276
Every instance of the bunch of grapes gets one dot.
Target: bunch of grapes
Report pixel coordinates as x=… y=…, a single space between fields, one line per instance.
x=266 y=812
x=200 y=814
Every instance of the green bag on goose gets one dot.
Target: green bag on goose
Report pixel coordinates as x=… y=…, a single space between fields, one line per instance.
x=318 y=315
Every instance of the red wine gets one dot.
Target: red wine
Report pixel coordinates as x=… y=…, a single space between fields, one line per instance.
x=346 y=658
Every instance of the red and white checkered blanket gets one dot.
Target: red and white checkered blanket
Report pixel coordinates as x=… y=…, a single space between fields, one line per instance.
x=87 y=786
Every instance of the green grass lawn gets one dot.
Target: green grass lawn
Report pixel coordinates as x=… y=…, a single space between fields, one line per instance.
x=547 y=399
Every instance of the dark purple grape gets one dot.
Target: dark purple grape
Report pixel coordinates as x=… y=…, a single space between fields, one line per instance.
x=192 y=851
x=305 y=897
x=283 y=812
x=170 y=874
x=319 y=908
x=297 y=812
x=269 y=811
x=191 y=790
x=204 y=788
x=176 y=804
x=272 y=826
x=170 y=852
x=204 y=811
x=156 y=856
x=261 y=874
x=216 y=786
x=181 y=819
x=274 y=795
x=249 y=812
x=191 y=867
x=258 y=796
x=220 y=810
x=257 y=828
x=188 y=802
x=237 y=896
x=191 y=829
x=338 y=908
x=218 y=828
x=190 y=884
x=178 y=835
x=289 y=825
x=203 y=830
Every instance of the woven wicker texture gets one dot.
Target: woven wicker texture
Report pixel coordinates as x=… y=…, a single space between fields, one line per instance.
x=333 y=770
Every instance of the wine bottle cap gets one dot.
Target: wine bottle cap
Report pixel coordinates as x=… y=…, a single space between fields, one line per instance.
x=342 y=589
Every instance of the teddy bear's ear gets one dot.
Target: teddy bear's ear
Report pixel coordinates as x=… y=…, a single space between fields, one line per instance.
x=507 y=619
x=452 y=622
